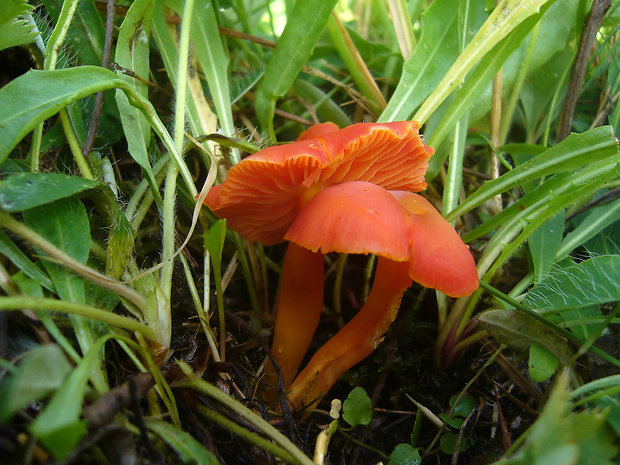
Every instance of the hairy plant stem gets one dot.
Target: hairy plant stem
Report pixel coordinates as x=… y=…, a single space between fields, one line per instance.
x=73 y=308
x=54 y=44
x=61 y=257
x=168 y=214
x=74 y=145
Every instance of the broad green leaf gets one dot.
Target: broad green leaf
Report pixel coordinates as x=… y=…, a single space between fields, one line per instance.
x=28 y=190
x=35 y=96
x=572 y=153
x=542 y=363
x=132 y=53
x=40 y=373
x=447 y=443
x=303 y=28
x=465 y=406
x=559 y=191
x=544 y=244
x=59 y=427
x=14 y=30
x=593 y=281
x=189 y=450
x=357 y=408
x=519 y=331
x=64 y=223
x=405 y=454
x=437 y=49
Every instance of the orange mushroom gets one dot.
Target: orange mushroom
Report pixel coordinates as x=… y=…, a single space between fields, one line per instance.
x=342 y=190
x=265 y=192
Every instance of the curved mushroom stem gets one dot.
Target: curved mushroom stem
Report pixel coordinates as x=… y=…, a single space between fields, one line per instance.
x=298 y=311
x=357 y=339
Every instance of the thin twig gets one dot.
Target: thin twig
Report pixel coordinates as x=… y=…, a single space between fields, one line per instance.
x=105 y=63
x=580 y=65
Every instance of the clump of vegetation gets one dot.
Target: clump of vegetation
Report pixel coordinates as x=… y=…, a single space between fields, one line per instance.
x=136 y=324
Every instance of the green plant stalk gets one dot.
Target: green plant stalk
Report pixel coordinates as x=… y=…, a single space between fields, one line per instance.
x=552 y=105
x=169 y=238
x=354 y=63
x=518 y=85
x=611 y=391
x=168 y=214
x=162 y=386
x=506 y=16
x=131 y=211
x=243 y=433
x=558 y=329
x=204 y=320
x=454 y=177
x=262 y=425
x=245 y=267
x=39 y=303
x=601 y=383
x=74 y=145
x=54 y=44
x=60 y=256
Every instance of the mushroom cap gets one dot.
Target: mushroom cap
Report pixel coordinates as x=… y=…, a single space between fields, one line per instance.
x=361 y=217
x=354 y=217
x=438 y=258
x=264 y=193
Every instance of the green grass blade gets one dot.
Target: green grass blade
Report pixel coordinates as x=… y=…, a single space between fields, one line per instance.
x=302 y=31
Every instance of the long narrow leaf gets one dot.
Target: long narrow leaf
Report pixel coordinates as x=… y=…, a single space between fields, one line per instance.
x=303 y=28
x=572 y=153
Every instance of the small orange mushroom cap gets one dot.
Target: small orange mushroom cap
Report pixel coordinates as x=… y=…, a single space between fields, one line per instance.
x=265 y=192
x=361 y=217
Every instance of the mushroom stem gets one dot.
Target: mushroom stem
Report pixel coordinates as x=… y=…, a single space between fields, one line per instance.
x=357 y=339
x=298 y=311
